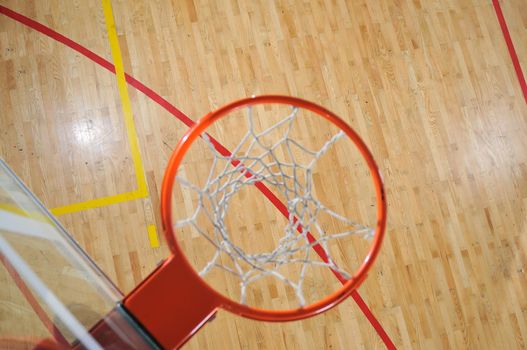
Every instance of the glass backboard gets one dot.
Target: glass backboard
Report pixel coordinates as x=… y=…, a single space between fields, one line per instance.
x=52 y=294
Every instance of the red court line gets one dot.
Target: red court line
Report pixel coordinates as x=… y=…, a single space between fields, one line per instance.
x=172 y=110
x=41 y=314
x=510 y=46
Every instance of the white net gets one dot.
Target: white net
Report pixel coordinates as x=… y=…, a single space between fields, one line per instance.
x=283 y=170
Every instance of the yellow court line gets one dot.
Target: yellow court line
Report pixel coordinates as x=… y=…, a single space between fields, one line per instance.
x=142 y=188
x=97 y=203
x=152 y=236
x=125 y=98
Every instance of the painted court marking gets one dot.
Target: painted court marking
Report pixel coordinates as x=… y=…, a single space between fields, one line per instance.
x=125 y=99
x=142 y=188
x=96 y=203
x=174 y=111
x=510 y=47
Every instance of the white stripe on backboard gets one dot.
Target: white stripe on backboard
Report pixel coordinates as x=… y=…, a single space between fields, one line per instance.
x=20 y=224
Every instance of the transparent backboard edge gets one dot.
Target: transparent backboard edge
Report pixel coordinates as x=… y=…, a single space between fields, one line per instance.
x=47 y=296
x=85 y=263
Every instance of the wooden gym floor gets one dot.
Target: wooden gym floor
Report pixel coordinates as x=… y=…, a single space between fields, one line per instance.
x=429 y=85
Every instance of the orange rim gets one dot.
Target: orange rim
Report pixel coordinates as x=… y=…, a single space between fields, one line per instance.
x=256 y=313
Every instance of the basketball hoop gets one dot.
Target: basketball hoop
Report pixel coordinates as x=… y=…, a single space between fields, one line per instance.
x=283 y=171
